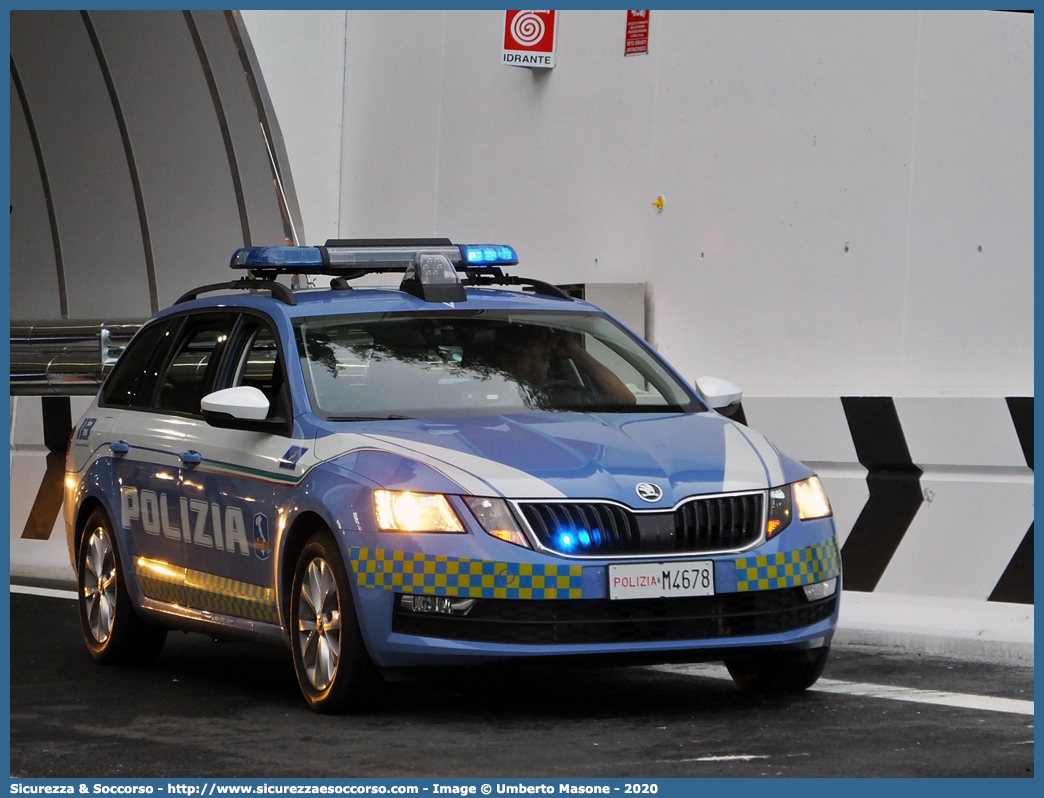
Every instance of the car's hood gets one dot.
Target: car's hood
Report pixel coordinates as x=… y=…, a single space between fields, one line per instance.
x=555 y=455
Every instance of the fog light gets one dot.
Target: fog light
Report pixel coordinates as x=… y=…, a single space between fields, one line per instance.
x=437 y=605
x=820 y=590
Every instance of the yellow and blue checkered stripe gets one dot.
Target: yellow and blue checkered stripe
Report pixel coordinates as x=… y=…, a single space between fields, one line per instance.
x=437 y=575
x=789 y=568
x=203 y=591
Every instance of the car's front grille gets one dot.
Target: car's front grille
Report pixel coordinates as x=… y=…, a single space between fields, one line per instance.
x=718 y=523
x=726 y=615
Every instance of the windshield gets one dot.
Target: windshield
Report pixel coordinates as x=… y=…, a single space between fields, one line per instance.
x=452 y=362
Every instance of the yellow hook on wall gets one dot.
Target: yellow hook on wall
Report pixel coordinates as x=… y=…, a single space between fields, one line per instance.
x=658 y=204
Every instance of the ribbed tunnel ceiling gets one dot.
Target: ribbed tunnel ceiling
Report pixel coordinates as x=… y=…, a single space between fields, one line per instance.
x=143 y=152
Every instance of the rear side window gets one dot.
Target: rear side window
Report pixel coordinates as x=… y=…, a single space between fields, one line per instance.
x=133 y=379
x=191 y=371
x=259 y=366
x=257 y=363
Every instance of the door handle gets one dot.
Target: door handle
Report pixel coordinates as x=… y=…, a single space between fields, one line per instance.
x=119 y=447
x=191 y=458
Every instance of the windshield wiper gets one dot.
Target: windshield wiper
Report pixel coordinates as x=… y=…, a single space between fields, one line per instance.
x=369 y=418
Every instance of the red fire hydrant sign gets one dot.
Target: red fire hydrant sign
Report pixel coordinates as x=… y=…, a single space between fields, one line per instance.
x=529 y=39
x=637 y=42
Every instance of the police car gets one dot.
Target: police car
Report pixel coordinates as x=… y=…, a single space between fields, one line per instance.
x=473 y=468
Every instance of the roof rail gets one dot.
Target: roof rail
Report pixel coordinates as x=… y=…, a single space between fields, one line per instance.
x=481 y=278
x=278 y=290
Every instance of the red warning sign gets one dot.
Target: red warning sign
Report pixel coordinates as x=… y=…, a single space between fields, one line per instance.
x=637 y=41
x=529 y=39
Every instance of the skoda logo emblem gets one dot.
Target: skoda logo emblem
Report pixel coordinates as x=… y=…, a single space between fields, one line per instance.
x=648 y=491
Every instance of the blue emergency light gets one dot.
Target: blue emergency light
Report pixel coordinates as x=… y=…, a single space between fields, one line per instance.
x=488 y=255
x=277 y=258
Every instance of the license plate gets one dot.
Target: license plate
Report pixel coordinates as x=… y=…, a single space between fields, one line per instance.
x=659 y=579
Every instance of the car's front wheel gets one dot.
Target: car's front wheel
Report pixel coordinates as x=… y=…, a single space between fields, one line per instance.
x=112 y=630
x=334 y=671
x=778 y=673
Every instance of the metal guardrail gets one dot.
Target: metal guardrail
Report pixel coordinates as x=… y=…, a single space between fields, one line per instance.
x=66 y=358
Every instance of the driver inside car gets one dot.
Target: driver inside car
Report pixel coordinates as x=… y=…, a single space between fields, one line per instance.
x=530 y=351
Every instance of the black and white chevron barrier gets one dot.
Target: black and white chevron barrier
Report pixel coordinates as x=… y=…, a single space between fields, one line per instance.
x=932 y=496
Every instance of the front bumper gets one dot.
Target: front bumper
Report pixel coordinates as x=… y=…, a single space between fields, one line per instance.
x=531 y=605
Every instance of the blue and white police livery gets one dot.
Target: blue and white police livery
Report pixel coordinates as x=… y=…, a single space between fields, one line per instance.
x=452 y=473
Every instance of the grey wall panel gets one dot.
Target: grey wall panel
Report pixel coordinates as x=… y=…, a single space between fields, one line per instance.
x=34 y=291
x=150 y=129
x=291 y=212
x=182 y=163
x=255 y=170
x=94 y=201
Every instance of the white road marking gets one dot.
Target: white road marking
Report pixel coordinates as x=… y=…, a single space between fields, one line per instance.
x=939 y=697
x=708 y=670
x=44 y=591
x=709 y=758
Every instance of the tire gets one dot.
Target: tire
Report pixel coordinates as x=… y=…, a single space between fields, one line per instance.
x=334 y=671
x=112 y=630
x=777 y=674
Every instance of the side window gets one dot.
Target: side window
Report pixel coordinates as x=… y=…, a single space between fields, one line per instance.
x=190 y=372
x=134 y=377
x=261 y=367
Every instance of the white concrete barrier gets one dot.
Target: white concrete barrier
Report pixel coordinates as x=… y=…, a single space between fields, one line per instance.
x=38 y=548
x=933 y=502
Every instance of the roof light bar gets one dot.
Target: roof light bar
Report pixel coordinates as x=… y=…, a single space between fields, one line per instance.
x=364 y=255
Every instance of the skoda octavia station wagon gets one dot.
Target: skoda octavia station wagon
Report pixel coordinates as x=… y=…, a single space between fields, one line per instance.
x=471 y=468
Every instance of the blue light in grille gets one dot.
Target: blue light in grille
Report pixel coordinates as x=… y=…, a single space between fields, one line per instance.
x=566 y=541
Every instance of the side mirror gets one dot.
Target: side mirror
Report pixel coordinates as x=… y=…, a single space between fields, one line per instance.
x=721 y=395
x=242 y=407
x=244 y=403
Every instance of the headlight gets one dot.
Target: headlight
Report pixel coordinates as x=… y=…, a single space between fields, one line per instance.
x=405 y=511
x=496 y=518
x=811 y=499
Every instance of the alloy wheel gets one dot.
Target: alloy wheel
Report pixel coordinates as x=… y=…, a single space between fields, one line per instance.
x=319 y=624
x=99 y=585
